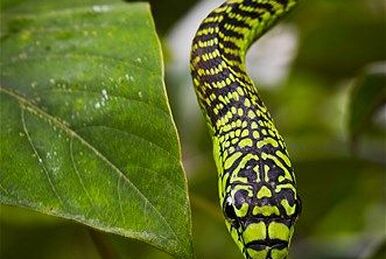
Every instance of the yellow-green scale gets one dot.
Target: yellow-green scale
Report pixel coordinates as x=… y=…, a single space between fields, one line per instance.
x=257 y=186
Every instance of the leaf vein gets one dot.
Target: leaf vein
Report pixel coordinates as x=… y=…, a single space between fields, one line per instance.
x=93 y=205
x=132 y=135
x=151 y=170
x=120 y=200
x=40 y=160
x=34 y=108
x=2 y=188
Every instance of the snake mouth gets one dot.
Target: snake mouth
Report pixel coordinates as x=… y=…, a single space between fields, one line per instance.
x=268 y=243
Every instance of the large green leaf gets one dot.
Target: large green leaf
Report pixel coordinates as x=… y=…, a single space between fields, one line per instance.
x=86 y=130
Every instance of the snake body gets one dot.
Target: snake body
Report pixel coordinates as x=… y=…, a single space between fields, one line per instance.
x=256 y=181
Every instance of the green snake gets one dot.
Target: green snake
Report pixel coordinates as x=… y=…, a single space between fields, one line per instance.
x=256 y=180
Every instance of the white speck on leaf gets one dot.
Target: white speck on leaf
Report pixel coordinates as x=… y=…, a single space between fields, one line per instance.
x=104 y=94
x=100 y=8
x=23 y=55
x=129 y=78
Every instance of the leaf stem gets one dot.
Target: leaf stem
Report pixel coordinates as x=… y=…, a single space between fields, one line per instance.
x=102 y=245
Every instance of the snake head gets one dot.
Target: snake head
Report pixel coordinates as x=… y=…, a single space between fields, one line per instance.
x=262 y=227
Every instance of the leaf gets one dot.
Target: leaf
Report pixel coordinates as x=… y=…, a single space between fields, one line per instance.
x=86 y=130
x=367 y=96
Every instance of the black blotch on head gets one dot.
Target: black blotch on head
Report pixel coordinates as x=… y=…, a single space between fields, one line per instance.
x=240 y=198
x=229 y=211
x=248 y=171
x=289 y=195
x=230 y=214
x=274 y=173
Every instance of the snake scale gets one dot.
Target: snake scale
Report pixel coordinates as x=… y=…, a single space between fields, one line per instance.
x=256 y=181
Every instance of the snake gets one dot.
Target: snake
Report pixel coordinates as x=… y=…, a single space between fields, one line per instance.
x=256 y=181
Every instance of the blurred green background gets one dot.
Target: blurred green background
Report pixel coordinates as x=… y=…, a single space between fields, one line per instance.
x=322 y=73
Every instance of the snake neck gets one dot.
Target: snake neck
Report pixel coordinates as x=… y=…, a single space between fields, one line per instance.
x=219 y=49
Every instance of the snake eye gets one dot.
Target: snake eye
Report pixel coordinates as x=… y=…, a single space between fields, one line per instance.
x=229 y=211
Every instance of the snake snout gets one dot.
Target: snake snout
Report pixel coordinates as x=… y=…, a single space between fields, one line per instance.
x=268 y=243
